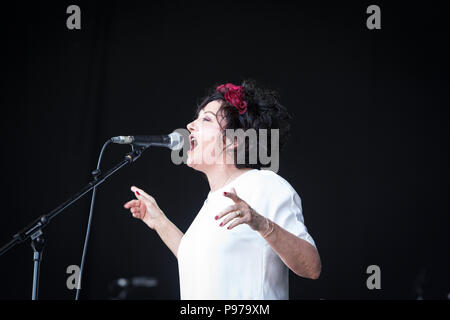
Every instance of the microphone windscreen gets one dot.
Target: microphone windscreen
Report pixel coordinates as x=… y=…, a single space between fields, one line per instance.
x=176 y=141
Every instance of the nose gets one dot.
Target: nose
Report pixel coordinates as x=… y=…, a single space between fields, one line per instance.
x=191 y=126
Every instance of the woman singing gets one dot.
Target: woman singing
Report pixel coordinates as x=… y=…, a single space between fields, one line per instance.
x=250 y=228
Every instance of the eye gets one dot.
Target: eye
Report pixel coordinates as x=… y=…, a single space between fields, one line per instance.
x=206 y=119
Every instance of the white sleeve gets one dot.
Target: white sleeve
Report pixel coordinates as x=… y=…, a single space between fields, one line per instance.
x=289 y=216
x=284 y=207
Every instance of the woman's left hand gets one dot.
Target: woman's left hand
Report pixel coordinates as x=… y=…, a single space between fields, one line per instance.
x=240 y=213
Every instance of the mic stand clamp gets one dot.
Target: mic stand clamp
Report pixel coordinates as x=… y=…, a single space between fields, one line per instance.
x=135 y=153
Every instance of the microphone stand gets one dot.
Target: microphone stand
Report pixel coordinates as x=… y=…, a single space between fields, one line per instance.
x=34 y=230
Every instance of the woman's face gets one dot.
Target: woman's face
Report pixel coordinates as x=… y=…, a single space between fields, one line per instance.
x=206 y=146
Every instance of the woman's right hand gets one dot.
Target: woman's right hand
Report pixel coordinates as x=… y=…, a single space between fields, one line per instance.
x=145 y=208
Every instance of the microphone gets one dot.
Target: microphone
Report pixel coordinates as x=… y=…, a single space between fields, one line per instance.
x=173 y=141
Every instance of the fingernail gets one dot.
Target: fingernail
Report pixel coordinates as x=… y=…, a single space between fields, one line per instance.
x=137 y=192
x=228 y=228
x=216 y=217
x=225 y=193
x=221 y=224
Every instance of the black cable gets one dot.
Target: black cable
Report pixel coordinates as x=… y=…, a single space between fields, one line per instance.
x=83 y=257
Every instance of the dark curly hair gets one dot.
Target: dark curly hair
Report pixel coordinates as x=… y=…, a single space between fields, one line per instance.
x=264 y=111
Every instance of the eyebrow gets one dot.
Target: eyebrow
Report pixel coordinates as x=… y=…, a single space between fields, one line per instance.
x=210 y=112
x=215 y=115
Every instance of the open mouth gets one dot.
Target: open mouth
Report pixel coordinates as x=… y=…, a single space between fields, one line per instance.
x=193 y=142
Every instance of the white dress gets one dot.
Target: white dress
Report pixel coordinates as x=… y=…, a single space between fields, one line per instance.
x=217 y=263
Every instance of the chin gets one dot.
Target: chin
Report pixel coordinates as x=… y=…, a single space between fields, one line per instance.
x=191 y=163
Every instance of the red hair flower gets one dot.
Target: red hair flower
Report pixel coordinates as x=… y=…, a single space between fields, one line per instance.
x=234 y=95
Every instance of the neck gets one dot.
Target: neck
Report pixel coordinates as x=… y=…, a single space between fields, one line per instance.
x=219 y=176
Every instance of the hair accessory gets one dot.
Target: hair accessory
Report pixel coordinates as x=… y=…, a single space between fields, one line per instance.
x=234 y=95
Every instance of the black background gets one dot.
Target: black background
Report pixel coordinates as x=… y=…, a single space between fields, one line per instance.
x=368 y=152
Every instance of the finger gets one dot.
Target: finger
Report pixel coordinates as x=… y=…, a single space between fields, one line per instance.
x=235 y=223
x=142 y=206
x=136 y=212
x=226 y=211
x=231 y=216
x=139 y=192
x=132 y=203
x=232 y=195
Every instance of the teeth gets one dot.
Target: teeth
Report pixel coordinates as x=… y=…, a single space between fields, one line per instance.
x=193 y=142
